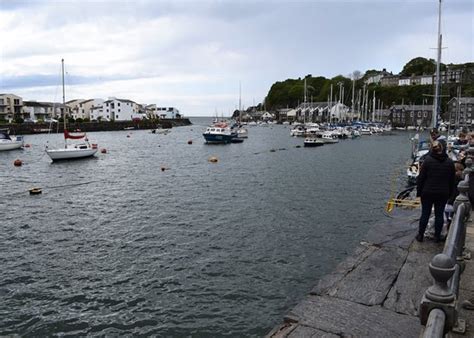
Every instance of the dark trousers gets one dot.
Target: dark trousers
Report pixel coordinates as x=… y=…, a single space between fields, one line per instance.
x=427 y=203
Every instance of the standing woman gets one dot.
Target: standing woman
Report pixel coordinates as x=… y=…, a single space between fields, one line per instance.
x=435 y=184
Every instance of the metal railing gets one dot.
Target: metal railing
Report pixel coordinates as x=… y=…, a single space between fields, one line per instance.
x=439 y=305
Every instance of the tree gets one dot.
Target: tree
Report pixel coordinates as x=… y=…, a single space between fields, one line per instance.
x=419 y=66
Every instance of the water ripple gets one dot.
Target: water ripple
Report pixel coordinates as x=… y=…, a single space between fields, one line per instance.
x=114 y=246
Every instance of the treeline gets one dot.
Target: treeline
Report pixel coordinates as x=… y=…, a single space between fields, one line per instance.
x=290 y=93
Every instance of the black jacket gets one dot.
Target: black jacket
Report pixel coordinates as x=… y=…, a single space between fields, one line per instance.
x=437 y=177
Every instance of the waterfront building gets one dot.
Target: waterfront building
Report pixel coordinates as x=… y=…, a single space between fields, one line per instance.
x=340 y=112
x=313 y=111
x=120 y=109
x=10 y=106
x=85 y=107
x=167 y=113
x=37 y=111
x=98 y=114
x=282 y=114
x=410 y=115
x=266 y=116
x=74 y=108
x=461 y=111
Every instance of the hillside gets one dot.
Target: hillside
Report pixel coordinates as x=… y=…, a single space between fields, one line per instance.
x=290 y=93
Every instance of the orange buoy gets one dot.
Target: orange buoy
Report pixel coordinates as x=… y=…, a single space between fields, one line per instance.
x=17 y=163
x=103 y=151
x=190 y=142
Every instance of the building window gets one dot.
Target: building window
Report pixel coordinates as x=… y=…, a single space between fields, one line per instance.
x=116 y=116
x=118 y=104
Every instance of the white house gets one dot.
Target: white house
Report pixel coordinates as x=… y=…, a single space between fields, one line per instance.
x=85 y=107
x=404 y=81
x=167 y=112
x=426 y=79
x=266 y=116
x=120 y=109
x=97 y=113
x=339 y=111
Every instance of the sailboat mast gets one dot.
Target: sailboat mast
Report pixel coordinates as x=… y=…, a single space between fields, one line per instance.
x=64 y=95
x=240 y=102
x=436 y=104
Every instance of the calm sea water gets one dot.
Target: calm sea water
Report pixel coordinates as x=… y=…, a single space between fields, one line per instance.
x=115 y=246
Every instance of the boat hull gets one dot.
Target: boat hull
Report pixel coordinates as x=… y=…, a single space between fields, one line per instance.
x=218 y=138
x=11 y=145
x=313 y=144
x=70 y=154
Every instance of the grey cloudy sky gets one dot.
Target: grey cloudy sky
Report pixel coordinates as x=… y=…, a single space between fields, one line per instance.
x=193 y=54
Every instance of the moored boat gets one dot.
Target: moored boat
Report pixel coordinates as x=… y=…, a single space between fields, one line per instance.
x=71 y=151
x=9 y=142
x=329 y=137
x=219 y=133
x=313 y=142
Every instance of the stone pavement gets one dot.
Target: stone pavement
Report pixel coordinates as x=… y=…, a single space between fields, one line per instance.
x=376 y=292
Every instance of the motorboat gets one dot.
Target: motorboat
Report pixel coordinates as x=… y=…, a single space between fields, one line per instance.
x=313 y=142
x=298 y=131
x=329 y=137
x=242 y=132
x=10 y=142
x=219 y=133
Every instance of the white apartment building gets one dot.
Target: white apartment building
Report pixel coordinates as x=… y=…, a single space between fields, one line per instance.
x=85 y=107
x=74 y=107
x=37 y=111
x=119 y=109
x=10 y=105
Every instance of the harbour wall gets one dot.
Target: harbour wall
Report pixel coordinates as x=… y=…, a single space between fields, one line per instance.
x=37 y=128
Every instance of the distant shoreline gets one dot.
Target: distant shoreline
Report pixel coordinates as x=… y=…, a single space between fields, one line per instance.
x=41 y=128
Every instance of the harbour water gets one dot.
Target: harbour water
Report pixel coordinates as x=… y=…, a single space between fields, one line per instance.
x=116 y=246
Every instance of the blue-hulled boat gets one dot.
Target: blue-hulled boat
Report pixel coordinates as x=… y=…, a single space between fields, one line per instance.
x=219 y=133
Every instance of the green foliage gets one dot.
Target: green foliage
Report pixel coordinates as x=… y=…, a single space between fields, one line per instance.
x=290 y=93
x=420 y=66
x=18 y=119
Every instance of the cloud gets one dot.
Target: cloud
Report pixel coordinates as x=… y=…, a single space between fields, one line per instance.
x=197 y=52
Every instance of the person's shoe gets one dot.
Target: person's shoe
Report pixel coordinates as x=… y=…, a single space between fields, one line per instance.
x=439 y=239
x=419 y=238
x=468 y=305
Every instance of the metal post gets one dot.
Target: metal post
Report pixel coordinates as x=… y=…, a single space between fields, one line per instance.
x=435 y=324
x=440 y=295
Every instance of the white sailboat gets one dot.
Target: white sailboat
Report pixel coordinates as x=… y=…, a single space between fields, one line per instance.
x=71 y=151
x=241 y=131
